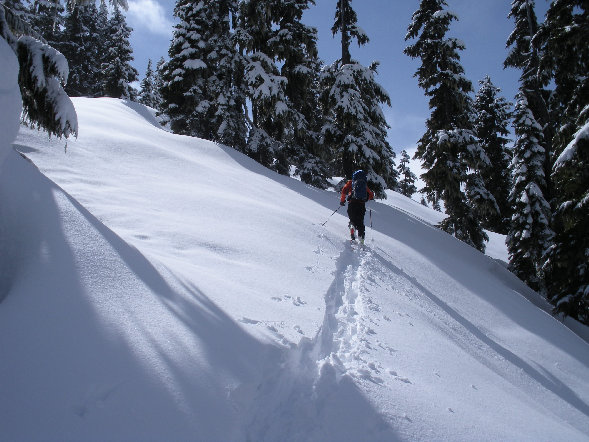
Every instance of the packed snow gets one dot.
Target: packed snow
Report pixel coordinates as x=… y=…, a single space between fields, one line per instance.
x=162 y=287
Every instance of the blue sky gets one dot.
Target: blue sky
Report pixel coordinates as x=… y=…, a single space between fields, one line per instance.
x=483 y=26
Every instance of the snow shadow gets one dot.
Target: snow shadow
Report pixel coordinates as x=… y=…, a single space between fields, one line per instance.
x=481 y=275
x=541 y=375
x=146 y=113
x=118 y=341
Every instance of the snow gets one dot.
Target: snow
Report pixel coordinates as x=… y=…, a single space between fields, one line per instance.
x=569 y=152
x=10 y=99
x=162 y=287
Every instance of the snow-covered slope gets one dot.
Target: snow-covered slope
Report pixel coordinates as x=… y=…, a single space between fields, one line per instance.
x=165 y=288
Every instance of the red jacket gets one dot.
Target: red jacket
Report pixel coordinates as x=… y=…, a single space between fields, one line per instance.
x=347 y=190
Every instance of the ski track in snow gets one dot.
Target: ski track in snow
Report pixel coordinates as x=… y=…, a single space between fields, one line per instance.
x=319 y=380
x=329 y=376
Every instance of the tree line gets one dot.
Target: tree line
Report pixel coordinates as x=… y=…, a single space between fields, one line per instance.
x=247 y=74
x=536 y=191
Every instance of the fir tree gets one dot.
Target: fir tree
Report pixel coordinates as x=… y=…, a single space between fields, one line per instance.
x=449 y=150
x=43 y=72
x=296 y=49
x=407 y=178
x=524 y=55
x=492 y=117
x=80 y=43
x=568 y=258
x=565 y=59
x=530 y=233
x=149 y=94
x=47 y=19
x=118 y=74
x=200 y=91
x=355 y=129
x=266 y=87
x=225 y=80
x=19 y=9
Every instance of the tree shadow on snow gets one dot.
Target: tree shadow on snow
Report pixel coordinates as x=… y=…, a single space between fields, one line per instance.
x=124 y=362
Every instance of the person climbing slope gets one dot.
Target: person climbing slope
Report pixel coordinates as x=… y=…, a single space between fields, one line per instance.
x=356 y=191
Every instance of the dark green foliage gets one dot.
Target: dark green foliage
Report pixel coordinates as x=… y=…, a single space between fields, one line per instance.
x=201 y=83
x=406 y=177
x=47 y=19
x=567 y=261
x=563 y=40
x=42 y=74
x=355 y=129
x=450 y=153
x=80 y=42
x=117 y=72
x=492 y=118
x=149 y=93
x=530 y=234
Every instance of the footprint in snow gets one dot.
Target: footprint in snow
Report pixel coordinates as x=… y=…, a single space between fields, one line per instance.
x=245 y=320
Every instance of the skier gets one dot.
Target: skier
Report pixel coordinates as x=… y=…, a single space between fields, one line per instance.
x=356 y=191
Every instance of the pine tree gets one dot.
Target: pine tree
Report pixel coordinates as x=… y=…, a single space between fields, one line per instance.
x=118 y=74
x=355 y=129
x=407 y=178
x=80 y=42
x=565 y=59
x=296 y=49
x=265 y=86
x=47 y=19
x=225 y=77
x=492 y=117
x=568 y=258
x=524 y=55
x=449 y=150
x=19 y=9
x=43 y=72
x=149 y=94
x=200 y=90
x=530 y=233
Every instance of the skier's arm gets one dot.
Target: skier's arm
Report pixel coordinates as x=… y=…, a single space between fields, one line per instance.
x=370 y=194
x=345 y=191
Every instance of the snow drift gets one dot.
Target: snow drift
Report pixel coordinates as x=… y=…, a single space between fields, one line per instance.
x=163 y=287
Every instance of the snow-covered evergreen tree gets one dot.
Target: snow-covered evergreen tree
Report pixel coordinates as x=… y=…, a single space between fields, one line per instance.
x=266 y=87
x=296 y=50
x=225 y=76
x=149 y=93
x=47 y=19
x=492 y=118
x=565 y=59
x=18 y=8
x=530 y=234
x=43 y=72
x=80 y=42
x=524 y=55
x=449 y=150
x=567 y=261
x=117 y=72
x=201 y=96
x=355 y=129
x=406 y=177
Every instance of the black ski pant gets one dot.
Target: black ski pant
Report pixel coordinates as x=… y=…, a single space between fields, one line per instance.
x=356 y=213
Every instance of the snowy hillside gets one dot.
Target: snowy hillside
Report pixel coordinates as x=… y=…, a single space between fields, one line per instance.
x=161 y=287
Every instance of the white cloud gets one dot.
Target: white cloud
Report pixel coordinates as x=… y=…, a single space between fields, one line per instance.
x=149 y=14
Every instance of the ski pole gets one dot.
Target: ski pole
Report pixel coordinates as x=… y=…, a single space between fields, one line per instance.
x=338 y=207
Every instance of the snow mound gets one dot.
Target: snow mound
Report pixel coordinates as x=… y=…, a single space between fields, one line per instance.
x=165 y=287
